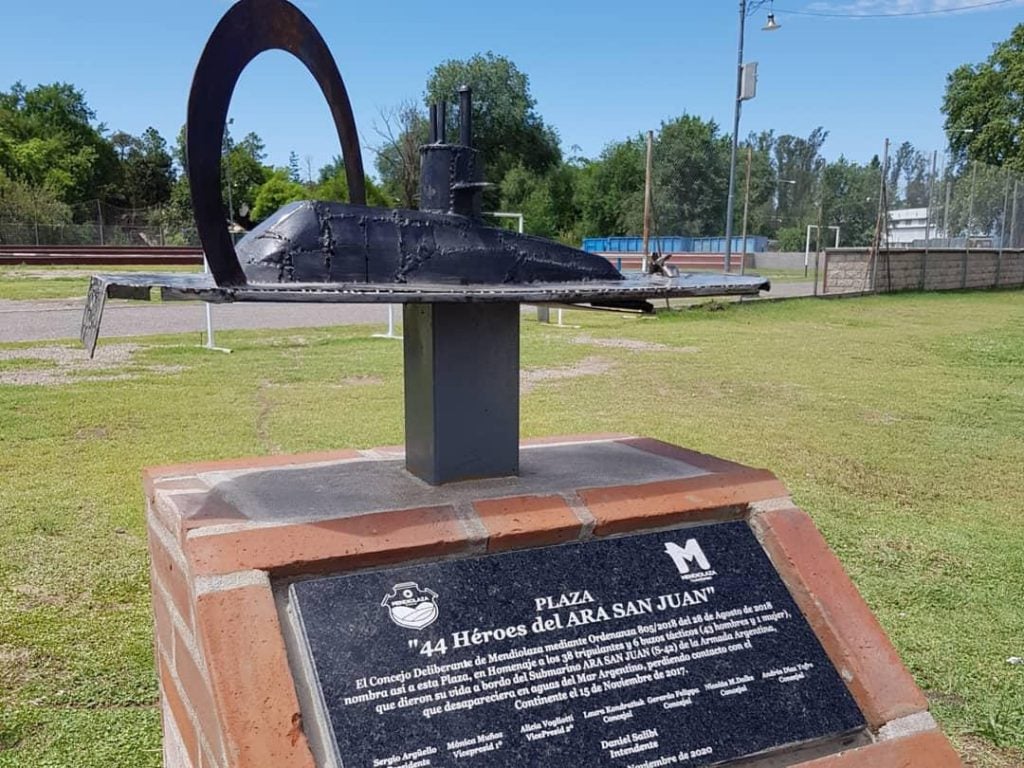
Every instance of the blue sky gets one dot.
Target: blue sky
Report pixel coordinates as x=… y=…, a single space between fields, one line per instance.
x=600 y=70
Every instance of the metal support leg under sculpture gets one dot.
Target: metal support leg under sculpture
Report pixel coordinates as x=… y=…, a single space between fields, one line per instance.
x=461 y=391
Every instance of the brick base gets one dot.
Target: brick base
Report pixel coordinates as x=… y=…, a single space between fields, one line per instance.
x=228 y=697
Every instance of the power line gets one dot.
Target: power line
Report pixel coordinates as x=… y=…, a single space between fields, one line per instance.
x=898 y=14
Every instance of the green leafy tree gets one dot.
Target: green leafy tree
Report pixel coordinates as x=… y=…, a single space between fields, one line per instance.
x=507 y=129
x=175 y=217
x=177 y=213
x=241 y=165
x=849 y=201
x=690 y=179
x=48 y=139
x=28 y=205
x=293 y=167
x=609 y=190
x=978 y=194
x=988 y=99
x=799 y=164
x=762 y=217
x=333 y=185
x=244 y=171
x=791 y=238
x=147 y=169
x=547 y=201
x=275 y=192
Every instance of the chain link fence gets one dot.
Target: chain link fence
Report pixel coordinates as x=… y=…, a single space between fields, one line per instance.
x=955 y=228
x=972 y=205
x=35 y=233
x=98 y=223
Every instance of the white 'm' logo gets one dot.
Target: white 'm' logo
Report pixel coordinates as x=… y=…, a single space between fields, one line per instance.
x=687 y=557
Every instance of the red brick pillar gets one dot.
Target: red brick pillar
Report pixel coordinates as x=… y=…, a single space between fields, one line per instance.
x=227 y=692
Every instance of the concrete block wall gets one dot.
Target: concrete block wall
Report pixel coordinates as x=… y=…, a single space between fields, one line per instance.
x=846 y=272
x=851 y=270
x=780 y=260
x=945 y=270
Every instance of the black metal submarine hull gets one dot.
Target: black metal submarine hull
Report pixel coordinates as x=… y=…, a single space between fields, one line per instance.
x=327 y=242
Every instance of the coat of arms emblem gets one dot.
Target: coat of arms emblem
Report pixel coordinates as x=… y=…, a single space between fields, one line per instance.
x=411 y=606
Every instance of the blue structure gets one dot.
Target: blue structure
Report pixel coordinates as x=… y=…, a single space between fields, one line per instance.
x=674 y=244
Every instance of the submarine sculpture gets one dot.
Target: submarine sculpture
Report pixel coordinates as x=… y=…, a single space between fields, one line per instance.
x=461 y=282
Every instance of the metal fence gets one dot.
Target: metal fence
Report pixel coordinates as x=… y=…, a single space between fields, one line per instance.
x=36 y=233
x=98 y=223
x=964 y=205
x=973 y=205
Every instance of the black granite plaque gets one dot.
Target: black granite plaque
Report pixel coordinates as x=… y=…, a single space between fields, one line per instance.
x=677 y=648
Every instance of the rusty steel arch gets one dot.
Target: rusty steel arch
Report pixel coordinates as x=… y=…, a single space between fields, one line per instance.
x=248 y=29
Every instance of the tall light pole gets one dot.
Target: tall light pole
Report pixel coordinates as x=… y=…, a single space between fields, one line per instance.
x=746 y=79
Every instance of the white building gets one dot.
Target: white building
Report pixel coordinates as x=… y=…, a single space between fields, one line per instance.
x=909 y=224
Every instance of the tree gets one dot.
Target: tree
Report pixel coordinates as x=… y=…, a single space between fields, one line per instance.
x=545 y=200
x=245 y=171
x=609 y=190
x=849 y=200
x=293 y=167
x=976 y=204
x=908 y=177
x=241 y=163
x=332 y=185
x=403 y=130
x=988 y=99
x=507 y=129
x=799 y=161
x=147 y=169
x=23 y=203
x=690 y=177
x=48 y=139
x=278 y=190
x=764 y=184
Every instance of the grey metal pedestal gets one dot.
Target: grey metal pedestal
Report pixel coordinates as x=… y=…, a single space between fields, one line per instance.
x=461 y=390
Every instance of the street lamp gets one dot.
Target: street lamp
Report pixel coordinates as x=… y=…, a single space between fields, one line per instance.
x=746 y=81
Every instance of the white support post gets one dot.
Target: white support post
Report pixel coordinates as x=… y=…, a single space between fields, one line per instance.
x=807 y=247
x=543 y=313
x=562 y=324
x=807 y=244
x=391 y=326
x=210 y=344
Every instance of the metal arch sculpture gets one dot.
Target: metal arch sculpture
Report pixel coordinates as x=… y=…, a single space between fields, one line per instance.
x=249 y=28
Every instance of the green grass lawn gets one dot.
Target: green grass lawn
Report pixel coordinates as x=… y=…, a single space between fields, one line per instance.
x=897 y=422
x=34 y=282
